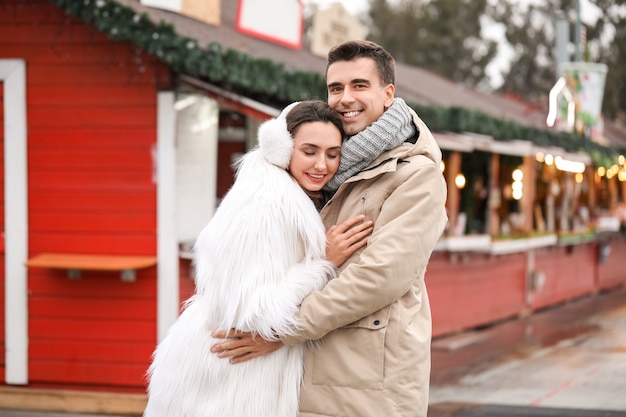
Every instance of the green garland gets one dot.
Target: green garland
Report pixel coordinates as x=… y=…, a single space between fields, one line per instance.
x=270 y=82
x=456 y=119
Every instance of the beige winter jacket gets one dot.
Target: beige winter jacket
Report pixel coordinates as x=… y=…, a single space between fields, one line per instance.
x=373 y=322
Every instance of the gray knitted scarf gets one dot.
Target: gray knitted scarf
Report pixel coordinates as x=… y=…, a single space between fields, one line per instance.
x=357 y=152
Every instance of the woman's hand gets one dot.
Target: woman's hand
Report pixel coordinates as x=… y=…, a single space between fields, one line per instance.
x=342 y=240
x=242 y=346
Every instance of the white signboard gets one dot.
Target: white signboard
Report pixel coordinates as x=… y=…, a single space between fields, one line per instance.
x=277 y=21
x=585 y=81
x=207 y=11
x=334 y=26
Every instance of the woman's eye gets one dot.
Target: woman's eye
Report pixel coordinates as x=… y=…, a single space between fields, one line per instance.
x=333 y=156
x=309 y=153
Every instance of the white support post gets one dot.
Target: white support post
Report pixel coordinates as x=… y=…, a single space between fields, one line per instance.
x=13 y=74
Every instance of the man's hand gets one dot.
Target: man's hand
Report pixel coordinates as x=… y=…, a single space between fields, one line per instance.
x=242 y=346
x=342 y=240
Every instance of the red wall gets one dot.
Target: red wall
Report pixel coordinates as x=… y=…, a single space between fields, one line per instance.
x=474 y=290
x=612 y=271
x=570 y=271
x=91 y=133
x=469 y=290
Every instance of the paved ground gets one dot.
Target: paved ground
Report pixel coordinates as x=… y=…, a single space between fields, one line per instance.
x=568 y=361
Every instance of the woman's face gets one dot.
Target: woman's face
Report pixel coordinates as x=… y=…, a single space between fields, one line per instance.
x=316 y=152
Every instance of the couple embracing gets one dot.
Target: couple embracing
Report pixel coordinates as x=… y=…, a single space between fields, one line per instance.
x=310 y=297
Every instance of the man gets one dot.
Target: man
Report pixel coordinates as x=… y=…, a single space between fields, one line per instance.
x=372 y=322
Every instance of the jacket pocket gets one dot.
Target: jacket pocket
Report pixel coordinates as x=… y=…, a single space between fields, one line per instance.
x=353 y=356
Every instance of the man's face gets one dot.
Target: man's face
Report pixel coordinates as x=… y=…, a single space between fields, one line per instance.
x=356 y=92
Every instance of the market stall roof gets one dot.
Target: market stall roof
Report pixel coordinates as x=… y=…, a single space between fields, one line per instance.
x=414 y=84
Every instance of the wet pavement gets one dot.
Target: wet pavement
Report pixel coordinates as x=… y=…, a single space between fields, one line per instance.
x=566 y=361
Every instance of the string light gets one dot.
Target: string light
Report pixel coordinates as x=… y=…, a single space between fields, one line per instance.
x=517 y=186
x=459 y=181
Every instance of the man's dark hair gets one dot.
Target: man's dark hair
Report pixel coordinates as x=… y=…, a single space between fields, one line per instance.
x=350 y=50
x=312 y=111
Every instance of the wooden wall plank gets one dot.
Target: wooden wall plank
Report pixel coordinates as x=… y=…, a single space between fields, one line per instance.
x=88 y=373
x=113 y=54
x=94 y=285
x=92 y=243
x=112 y=352
x=93 y=75
x=119 y=201
x=121 y=223
x=100 y=308
x=111 y=137
x=91 y=160
x=66 y=32
x=93 y=330
x=122 y=115
x=101 y=181
x=16 y=13
x=90 y=96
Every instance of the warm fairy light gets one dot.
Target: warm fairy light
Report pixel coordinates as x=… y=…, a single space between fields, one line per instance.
x=601 y=171
x=442 y=166
x=540 y=157
x=459 y=180
x=621 y=159
x=569 y=166
x=549 y=159
x=579 y=177
x=622 y=175
x=517 y=187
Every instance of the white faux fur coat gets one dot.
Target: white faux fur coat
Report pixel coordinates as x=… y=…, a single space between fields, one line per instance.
x=258 y=257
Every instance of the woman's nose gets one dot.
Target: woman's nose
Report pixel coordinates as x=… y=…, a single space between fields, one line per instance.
x=320 y=164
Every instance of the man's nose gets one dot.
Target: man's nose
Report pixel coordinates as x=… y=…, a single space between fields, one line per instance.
x=347 y=96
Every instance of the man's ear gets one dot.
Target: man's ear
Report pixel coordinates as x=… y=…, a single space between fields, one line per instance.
x=390 y=90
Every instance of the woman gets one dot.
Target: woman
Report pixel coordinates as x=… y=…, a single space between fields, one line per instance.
x=260 y=255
